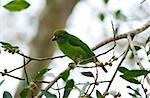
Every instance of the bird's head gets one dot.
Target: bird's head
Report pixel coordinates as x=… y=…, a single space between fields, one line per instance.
x=59 y=35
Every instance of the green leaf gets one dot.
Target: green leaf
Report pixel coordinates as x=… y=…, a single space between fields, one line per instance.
x=69 y=86
x=65 y=74
x=17 y=5
x=122 y=69
x=131 y=80
x=88 y=74
x=130 y=75
x=2 y=82
x=41 y=73
x=135 y=73
x=6 y=45
x=135 y=90
x=7 y=95
x=101 y=16
x=48 y=94
x=98 y=94
x=119 y=15
x=105 y=1
x=133 y=95
x=24 y=93
x=137 y=47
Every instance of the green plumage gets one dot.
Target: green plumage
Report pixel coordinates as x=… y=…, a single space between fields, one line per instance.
x=74 y=48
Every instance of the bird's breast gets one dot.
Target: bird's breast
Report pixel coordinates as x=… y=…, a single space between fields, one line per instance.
x=73 y=52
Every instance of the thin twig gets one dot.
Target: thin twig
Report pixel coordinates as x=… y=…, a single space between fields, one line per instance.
x=41 y=81
x=11 y=76
x=106 y=51
x=123 y=58
x=25 y=71
x=114 y=33
x=144 y=88
x=95 y=82
x=58 y=90
x=19 y=67
x=41 y=59
x=86 y=93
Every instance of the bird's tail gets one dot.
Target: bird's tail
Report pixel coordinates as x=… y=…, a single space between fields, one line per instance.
x=101 y=65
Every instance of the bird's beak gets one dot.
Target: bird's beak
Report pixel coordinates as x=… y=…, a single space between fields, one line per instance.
x=54 y=38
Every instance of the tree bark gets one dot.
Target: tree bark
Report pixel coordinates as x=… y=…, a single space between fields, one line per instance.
x=54 y=17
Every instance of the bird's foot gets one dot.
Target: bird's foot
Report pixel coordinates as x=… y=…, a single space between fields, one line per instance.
x=99 y=64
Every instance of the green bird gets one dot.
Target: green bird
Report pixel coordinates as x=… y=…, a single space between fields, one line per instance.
x=74 y=48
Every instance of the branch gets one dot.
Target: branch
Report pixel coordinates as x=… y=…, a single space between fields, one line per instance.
x=124 y=35
x=136 y=57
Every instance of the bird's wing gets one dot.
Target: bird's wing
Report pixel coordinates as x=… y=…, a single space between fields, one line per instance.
x=74 y=41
